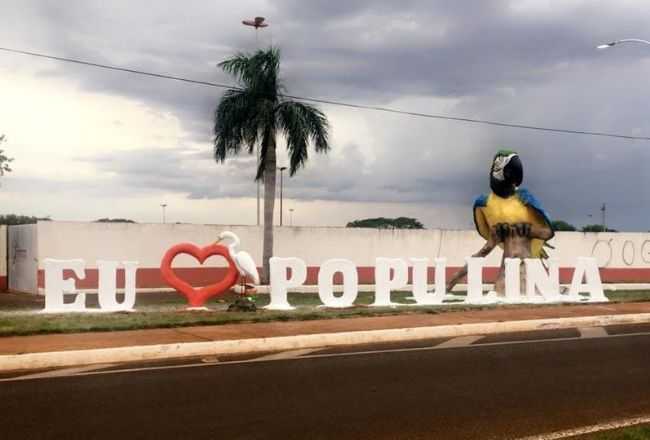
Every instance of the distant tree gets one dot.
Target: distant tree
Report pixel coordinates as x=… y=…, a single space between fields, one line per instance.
x=407 y=223
x=387 y=223
x=114 y=220
x=13 y=219
x=596 y=228
x=561 y=225
x=4 y=160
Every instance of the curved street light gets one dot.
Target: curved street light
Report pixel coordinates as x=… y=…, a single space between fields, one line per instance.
x=627 y=40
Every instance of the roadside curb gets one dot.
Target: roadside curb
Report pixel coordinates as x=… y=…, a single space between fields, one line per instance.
x=32 y=361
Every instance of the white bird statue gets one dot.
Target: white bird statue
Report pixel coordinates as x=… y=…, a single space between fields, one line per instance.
x=243 y=261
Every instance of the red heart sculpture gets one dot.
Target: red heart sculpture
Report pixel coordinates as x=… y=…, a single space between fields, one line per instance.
x=196 y=297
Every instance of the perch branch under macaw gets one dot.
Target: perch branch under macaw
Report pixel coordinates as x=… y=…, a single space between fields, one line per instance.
x=516 y=241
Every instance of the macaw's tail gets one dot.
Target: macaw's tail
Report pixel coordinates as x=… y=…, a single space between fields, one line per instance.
x=537 y=248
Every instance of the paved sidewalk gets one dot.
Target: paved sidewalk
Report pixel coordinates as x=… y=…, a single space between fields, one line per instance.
x=98 y=340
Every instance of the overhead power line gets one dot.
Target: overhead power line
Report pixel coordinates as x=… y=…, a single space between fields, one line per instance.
x=120 y=69
x=471 y=120
x=329 y=102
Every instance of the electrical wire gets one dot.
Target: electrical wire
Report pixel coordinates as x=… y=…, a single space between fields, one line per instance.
x=330 y=102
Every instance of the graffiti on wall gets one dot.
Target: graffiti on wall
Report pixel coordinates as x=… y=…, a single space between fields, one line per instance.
x=630 y=253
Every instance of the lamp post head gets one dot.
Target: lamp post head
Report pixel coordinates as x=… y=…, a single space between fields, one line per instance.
x=282 y=168
x=257 y=22
x=608 y=45
x=625 y=40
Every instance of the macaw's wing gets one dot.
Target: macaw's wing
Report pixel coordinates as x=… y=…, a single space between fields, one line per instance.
x=539 y=217
x=479 y=218
x=531 y=201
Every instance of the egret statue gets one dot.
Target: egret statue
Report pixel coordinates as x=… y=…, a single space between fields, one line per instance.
x=243 y=261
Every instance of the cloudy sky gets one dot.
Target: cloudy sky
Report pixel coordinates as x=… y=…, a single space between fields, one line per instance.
x=91 y=143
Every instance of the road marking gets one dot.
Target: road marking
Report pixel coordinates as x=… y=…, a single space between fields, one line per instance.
x=354 y=353
x=63 y=372
x=590 y=429
x=460 y=341
x=290 y=354
x=592 y=332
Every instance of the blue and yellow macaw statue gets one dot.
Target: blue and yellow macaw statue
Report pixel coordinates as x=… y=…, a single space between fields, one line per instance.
x=512 y=211
x=510 y=217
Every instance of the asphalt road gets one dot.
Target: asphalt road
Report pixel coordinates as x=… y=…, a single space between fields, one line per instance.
x=505 y=386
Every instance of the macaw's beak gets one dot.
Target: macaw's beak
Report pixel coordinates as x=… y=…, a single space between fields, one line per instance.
x=219 y=240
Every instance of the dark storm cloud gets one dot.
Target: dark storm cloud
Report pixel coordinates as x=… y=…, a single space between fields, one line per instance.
x=447 y=47
x=329 y=178
x=520 y=61
x=175 y=170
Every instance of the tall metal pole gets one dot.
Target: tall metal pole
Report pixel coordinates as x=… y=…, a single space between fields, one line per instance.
x=258 y=186
x=257 y=22
x=281 y=187
x=606 y=46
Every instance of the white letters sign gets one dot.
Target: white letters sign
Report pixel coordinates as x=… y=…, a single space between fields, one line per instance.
x=56 y=286
x=542 y=285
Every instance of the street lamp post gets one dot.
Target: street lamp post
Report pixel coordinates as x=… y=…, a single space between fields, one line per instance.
x=163 y=206
x=626 y=40
x=281 y=186
x=257 y=22
x=603 y=213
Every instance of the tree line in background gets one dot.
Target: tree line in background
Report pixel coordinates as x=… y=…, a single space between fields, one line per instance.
x=15 y=219
x=412 y=223
x=561 y=225
x=387 y=223
x=377 y=222
x=114 y=220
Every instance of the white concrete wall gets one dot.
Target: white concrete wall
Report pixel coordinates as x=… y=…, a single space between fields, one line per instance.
x=147 y=243
x=612 y=250
x=29 y=245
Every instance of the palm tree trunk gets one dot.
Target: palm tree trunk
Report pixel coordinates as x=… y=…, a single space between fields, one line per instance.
x=269 y=207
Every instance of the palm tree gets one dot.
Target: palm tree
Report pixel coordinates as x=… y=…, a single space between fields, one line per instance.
x=254 y=114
